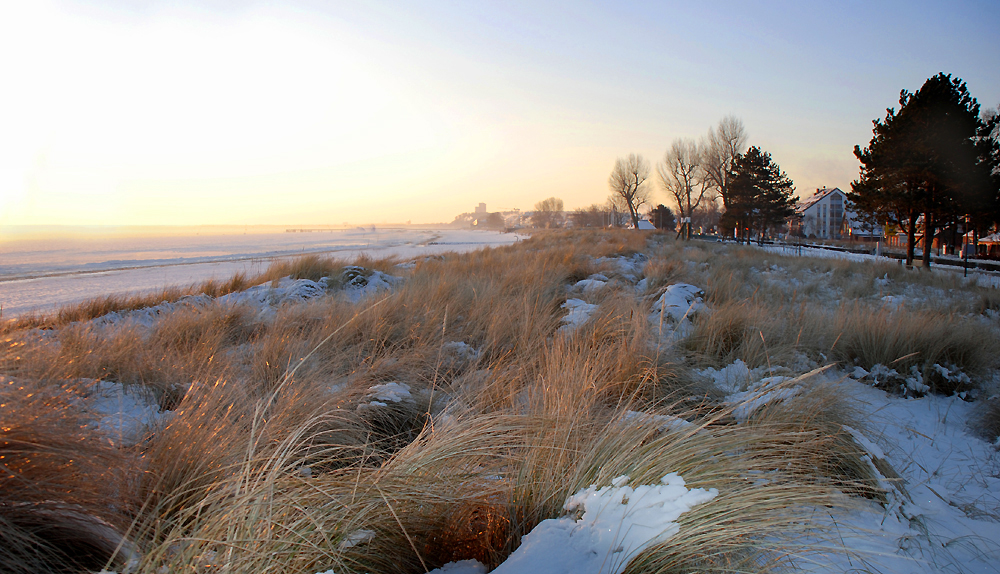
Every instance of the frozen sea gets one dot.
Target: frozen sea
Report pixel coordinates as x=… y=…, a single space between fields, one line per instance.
x=41 y=270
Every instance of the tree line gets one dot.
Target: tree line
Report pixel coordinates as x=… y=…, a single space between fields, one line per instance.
x=756 y=195
x=933 y=165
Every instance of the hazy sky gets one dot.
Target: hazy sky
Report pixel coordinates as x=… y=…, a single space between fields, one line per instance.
x=298 y=112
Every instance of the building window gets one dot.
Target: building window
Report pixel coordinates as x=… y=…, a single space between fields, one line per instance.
x=836 y=214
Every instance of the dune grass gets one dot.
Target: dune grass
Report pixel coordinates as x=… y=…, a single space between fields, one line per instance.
x=55 y=480
x=279 y=458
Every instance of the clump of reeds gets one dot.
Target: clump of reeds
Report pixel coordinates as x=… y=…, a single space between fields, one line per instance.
x=313 y=267
x=470 y=487
x=56 y=478
x=763 y=333
x=904 y=339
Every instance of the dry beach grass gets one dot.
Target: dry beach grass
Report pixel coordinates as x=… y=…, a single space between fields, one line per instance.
x=275 y=460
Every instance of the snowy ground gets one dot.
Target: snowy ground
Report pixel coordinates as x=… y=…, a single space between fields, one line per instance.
x=979 y=277
x=43 y=274
x=942 y=513
x=942 y=516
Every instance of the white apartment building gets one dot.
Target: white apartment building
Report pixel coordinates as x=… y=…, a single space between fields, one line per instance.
x=826 y=215
x=822 y=215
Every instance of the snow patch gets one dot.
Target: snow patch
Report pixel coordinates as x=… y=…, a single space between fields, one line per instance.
x=592 y=284
x=732 y=378
x=461 y=350
x=765 y=392
x=579 y=313
x=607 y=527
x=665 y=423
x=128 y=415
x=943 y=514
x=678 y=302
x=391 y=392
x=355 y=538
x=628 y=268
x=359 y=282
x=892 y=301
x=461 y=567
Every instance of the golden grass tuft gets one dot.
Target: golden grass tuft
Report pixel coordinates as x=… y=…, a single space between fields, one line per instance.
x=901 y=340
x=56 y=476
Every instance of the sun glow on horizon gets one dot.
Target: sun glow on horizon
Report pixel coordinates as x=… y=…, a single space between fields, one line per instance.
x=192 y=112
x=228 y=121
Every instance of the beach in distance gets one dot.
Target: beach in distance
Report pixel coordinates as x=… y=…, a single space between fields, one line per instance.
x=42 y=269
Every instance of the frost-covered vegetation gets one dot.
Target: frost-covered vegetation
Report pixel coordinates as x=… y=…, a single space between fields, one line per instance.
x=579 y=402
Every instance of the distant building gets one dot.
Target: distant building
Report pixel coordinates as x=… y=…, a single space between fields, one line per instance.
x=990 y=245
x=645 y=224
x=826 y=215
x=481 y=209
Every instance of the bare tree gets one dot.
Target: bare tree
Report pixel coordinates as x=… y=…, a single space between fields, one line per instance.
x=548 y=213
x=618 y=213
x=628 y=185
x=706 y=216
x=723 y=144
x=593 y=216
x=683 y=176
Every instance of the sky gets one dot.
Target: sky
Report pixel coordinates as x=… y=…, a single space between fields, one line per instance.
x=320 y=113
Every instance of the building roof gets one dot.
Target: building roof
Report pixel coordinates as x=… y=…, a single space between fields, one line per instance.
x=805 y=204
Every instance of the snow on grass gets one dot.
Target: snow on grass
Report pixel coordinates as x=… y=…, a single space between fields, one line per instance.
x=461 y=350
x=355 y=538
x=263 y=297
x=767 y=391
x=579 y=313
x=360 y=282
x=461 y=567
x=732 y=378
x=383 y=394
x=892 y=301
x=664 y=422
x=680 y=301
x=391 y=392
x=266 y=297
x=943 y=510
x=628 y=268
x=128 y=415
x=675 y=308
x=592 y=284
x=604 y=529
x=912 y=384
x=748 y=391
